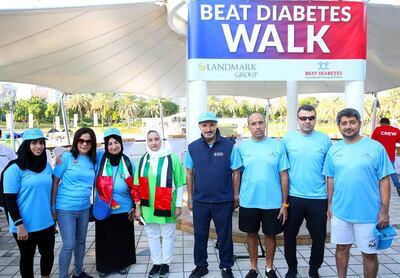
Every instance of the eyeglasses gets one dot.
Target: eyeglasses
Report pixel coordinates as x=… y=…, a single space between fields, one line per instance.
x=304 y=118
x=81 y=141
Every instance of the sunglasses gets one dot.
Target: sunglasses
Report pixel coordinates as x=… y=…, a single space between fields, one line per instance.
x=81 y=141
x=304 y=118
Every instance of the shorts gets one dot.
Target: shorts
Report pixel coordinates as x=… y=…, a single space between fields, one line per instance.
x=250 y=219
x=343 y=232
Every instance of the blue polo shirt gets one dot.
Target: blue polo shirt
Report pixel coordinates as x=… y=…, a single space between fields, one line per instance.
x=77 y=179
x=262 y=161
x=306 y=154
x=33 y=196
x=356 y=170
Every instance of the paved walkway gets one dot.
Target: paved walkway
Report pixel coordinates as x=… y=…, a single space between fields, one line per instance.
x=183 y=256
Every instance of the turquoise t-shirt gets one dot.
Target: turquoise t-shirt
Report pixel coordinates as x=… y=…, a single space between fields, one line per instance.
x=306 y=154
x=262 y=162
x=235 y=161
x=121 y=191
x=356 y=170
x=33 y=197
x=77 y=178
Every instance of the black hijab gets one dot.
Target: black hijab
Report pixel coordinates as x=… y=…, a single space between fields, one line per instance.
x=27 y=160
x=114 y=158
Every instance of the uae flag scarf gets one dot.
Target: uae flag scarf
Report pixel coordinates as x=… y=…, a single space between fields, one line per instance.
x=164 y=184
x=104 y=181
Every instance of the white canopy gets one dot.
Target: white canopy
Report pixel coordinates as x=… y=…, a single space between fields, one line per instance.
x=131 y=48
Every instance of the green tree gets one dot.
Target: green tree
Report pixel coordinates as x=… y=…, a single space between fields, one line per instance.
x=37 y=107
x=313 y=101
x=231 y=106
x=390 y=104
x=51 y=111
x=169 y=107
x=328 y=109
x=151 y=108
x=214 y=105
x=102 y=104
x=79 y=103
x=21 y=110
x=128 y=107
x=279 y=109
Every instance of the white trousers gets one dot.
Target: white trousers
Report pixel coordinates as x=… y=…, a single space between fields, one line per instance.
x=161 y=240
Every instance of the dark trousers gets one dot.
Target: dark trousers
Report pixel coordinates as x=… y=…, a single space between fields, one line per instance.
x=221 y=214
x=314 y=212
x=44 y=240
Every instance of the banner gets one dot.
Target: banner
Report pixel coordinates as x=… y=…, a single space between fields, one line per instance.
x=276 y=40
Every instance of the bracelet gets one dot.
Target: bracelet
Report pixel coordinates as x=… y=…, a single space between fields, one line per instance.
x=285 y=205
x=18 y=222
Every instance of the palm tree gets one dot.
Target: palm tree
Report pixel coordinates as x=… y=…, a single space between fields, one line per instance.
x=214 y=105
x=102 y=104
x=231 y=106
x=128 y=107
x=328 y=109
x=390 y=104
x=152 y=108
x=279 y=109
x=79 y=103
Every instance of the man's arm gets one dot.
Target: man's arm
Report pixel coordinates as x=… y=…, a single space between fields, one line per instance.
x=383 y=216
x=329 y=190
x=284 y=178
x=189 y=187
x=236 y=184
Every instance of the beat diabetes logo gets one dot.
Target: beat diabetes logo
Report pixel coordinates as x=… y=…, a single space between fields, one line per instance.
x=322 y=71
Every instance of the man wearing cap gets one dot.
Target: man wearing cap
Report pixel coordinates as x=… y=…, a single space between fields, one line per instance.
x=6 y=155
x=263 y=192
x=212 y=164
x=357 y=170
x=306 y=150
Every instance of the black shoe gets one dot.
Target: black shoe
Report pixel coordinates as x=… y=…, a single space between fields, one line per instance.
x=155 y=270
x=292 y=273
x=251 y=274
x=82 y=275
x=226 y=273
x=123 y=271
x=270 y=274
x=102 y=274
x=164 y=271
x=315 y=275
x=398 y=190
x=198 y=272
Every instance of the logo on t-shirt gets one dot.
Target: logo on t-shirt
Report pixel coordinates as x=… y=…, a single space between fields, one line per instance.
x=367 y=155
x=218 y=154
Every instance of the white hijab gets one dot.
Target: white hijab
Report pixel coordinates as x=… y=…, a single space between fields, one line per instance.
x=155 y=155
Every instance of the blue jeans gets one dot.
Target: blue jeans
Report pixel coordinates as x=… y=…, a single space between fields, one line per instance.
x=73 y=228
x=395 y=179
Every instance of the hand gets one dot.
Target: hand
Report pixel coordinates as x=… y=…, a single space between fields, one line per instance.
x=178 y=212
x=138 y=213
x=190 y=205
x=54 y=214
x=282 y=216
x=131 y=214
x=58 y=160
x=329 y=212
x=22 y=234
x=383 y=218
x=235 y=204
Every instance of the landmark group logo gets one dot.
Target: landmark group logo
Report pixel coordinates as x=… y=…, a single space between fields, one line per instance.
x=239 y=70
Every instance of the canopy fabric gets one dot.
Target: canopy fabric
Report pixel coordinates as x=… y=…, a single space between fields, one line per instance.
x=131 y=48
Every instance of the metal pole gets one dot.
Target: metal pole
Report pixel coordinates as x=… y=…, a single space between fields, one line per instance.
x=267 y=108
x=374 y=111
x=162 y=119
x=65 y=120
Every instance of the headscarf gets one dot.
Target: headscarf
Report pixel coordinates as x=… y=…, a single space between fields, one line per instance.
x=155 y=155
x=27 y=160
x=114 y=158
